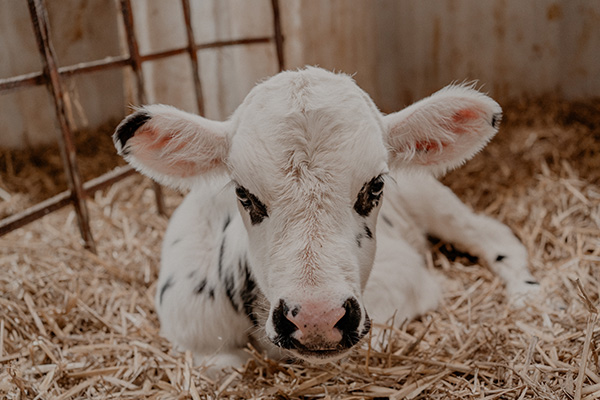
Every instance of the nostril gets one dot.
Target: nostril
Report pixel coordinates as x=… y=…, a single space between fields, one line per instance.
x=351 y=319
x=283 y=326
x=295 y=311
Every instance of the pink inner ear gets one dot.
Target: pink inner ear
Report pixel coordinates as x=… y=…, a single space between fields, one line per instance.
x=147 y=147
x=462 y=122
x=428 y=146
x=462 y=118
x=150 y=139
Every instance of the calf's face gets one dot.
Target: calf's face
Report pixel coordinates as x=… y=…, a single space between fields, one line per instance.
x=308 y=161
x=308 y=154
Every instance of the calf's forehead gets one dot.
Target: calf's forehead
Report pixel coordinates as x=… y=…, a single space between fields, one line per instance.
x=322 y=125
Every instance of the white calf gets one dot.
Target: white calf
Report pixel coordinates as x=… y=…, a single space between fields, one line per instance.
x=278 y=248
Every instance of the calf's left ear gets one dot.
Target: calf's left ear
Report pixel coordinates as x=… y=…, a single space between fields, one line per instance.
x=174 y=147
x=443 y=130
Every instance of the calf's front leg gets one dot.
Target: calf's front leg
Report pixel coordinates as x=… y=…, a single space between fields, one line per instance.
x=443 y=215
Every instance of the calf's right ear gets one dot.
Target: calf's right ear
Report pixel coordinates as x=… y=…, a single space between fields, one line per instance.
x=173 y=147
x=443 y=130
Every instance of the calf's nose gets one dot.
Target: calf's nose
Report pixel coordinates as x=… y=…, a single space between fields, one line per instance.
x=316 y=324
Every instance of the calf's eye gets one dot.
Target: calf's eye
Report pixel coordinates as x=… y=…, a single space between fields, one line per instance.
x=376 y=186
x=243 y=197
x=369 y=196
x=255 y=208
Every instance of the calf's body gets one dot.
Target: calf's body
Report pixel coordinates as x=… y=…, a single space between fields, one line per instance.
x=286 y=239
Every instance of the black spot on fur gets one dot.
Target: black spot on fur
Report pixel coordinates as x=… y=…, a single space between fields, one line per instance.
x=500 y=257
x=387 y=220
x=201 y=286
x=248 y=294
x=211 y=293
x=164 y=288
x=451 y=253
x=126 y=129
x=221 y=254
x=241 y=290
x=532 y=282
x=229 y=291
x=496 y=118
x=369 y=196
x=227 y=221
x=360 y=236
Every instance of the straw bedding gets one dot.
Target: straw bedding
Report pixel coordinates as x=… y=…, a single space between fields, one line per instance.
x=78 y=325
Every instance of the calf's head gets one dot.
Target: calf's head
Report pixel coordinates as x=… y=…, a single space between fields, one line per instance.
x=308 y=154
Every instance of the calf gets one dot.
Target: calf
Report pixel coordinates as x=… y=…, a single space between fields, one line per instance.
x=275 y=243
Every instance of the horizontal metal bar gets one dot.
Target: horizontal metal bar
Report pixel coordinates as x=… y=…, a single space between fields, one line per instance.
x=235 y=42
x=62 y=199
x=35 y=212
x=181 y=50
x=32 y=79
x=106 y=63
x=162 y=54
x=38 y=78
x=107 y=179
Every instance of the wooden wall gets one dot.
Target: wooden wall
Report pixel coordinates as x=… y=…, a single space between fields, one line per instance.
x=398 y=50
x=402 y=50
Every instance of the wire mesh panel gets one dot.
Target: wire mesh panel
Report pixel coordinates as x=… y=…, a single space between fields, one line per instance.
x=53 y=77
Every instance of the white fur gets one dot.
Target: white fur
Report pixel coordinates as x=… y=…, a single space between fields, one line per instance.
x=304 y=143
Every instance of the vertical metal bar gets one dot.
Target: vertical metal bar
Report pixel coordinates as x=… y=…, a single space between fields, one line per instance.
x=278 y=34
x=187 y=15
x=39 y=18
x=136 y=65
x=134 y=52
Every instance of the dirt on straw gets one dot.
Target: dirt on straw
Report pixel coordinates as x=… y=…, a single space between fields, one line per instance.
x=78 y=325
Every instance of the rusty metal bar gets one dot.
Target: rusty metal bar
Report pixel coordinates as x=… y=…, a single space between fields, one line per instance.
x=39 y=18
x=92 y=66
x=35 y=212
x=224 y=43
x=108 y=179
x=33 y=79
x=136 y=65
x=278 y=34
x=233 y=42
x=38 y=78
x=163 y=54
x=135 y=61
x=193 y=52
x=61 y=200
